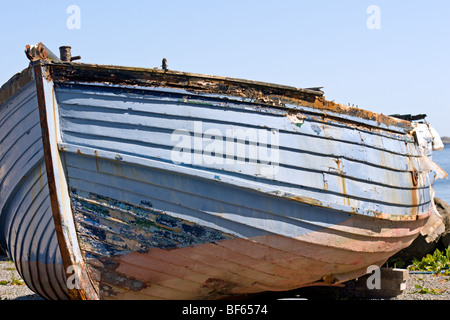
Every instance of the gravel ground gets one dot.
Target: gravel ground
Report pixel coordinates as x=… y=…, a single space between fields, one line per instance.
x=432 y=287
x=12 y=286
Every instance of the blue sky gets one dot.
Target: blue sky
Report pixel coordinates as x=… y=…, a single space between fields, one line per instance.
x=401 y=68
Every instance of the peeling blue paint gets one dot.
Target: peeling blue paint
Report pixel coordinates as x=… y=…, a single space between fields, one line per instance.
x=122 y=227
x=146 y=203
x=316 y=128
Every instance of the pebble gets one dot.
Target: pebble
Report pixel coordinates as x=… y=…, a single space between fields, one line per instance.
x=437 y=286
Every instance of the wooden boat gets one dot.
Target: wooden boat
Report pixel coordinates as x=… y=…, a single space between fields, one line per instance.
x=130 y=183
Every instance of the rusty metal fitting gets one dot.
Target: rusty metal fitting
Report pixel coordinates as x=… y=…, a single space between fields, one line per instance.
x=39 y=52
x=66 y=54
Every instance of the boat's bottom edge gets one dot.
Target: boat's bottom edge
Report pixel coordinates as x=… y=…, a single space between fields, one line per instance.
x=230 y=268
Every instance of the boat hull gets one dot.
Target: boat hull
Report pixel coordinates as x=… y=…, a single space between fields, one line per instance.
x=141 y=184
x=27 y=230
x=139 y=250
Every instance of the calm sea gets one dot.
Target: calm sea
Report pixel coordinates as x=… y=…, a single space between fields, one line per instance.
x=442 y=186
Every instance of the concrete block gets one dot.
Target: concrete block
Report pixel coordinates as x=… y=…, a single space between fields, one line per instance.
x=391 y=283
